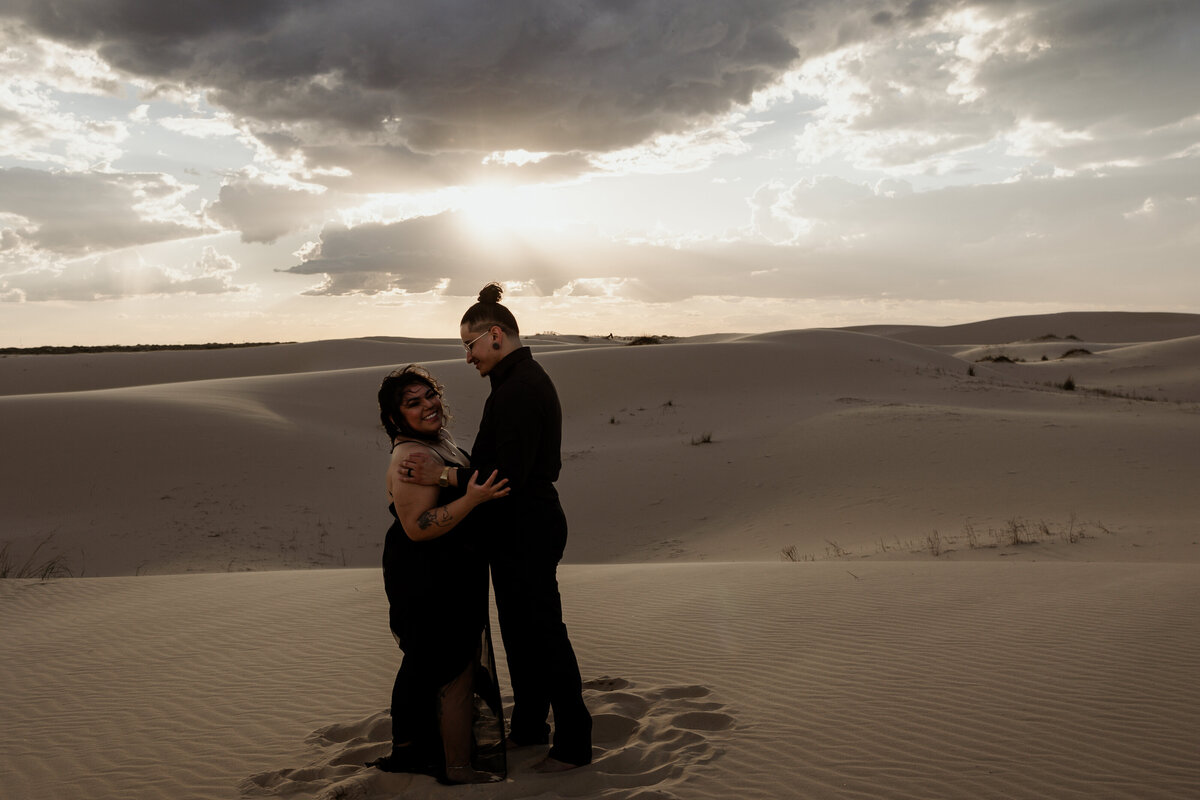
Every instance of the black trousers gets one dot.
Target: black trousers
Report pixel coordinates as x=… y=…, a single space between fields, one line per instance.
x=542 y=666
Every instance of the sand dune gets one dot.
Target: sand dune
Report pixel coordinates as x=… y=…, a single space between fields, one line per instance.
x=728 y=449
x=71 y=372
x=916 y=680
x=1000 y=600
x=1096 y=326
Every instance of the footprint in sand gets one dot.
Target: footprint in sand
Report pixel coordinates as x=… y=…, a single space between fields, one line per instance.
x=681 y=692
x=651 y=738
x=703 y=721
x=646 y=743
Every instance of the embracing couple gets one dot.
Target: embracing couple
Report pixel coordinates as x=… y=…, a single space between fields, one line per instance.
x=457 y=514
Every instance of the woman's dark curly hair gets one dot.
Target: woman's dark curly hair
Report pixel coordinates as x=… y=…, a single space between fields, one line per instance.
x=391 y=392
x=488 y=312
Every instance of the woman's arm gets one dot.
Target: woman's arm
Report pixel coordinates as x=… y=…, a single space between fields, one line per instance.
x=416 y=505
x=420 y=466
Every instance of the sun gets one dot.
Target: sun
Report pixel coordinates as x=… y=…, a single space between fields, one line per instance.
x=497 y=212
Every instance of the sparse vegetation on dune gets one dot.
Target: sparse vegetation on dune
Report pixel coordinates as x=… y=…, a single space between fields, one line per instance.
x=1050 y=337
x=31 y=567
x=1070 y=385
x=1015 y=533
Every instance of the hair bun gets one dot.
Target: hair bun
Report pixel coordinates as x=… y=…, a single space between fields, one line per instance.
x=491 y=293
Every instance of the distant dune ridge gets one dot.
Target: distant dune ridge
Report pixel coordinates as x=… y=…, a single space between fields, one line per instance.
x=996 y=523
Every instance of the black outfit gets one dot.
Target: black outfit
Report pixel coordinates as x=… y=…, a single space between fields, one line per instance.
x=438 y=610
x=524 y=535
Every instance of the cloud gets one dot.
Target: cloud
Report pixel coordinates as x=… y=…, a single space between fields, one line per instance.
x=907 y=83
x=375 y=96
x=1070 y=239
x=419 y=255
x=357 y=168
x=365 y=110
x=75 y=213
x=446 y=75
x=263 y=212
x=1078 y=83
x=1095 y=64
x=442 y=253
x=1063 y=239
x=36 y=123
x=117 y=275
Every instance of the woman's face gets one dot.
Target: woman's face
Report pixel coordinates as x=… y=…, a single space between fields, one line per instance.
x=422 y=409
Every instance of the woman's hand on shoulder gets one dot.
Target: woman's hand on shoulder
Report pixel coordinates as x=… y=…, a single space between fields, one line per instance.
x=491 y=489
x=397 y=474
x=416 y=465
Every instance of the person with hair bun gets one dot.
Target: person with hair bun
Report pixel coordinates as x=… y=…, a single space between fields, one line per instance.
x=523 y=534
x=437 y=589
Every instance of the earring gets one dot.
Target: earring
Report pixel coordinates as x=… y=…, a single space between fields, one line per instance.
x=495 y=345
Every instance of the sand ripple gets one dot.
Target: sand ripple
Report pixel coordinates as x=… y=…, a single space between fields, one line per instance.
x=922 y=680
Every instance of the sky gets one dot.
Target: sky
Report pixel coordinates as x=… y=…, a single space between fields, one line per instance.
x=296 y=170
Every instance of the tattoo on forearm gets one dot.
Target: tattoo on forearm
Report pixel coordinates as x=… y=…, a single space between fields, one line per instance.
x=440 y=516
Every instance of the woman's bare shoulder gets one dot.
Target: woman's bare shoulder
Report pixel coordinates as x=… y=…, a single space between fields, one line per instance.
x=406 y=447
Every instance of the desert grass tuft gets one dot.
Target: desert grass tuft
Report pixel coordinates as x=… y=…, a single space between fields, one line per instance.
x=790 y=553
x=55 y=567
x=1017 y=533
x=836 y=549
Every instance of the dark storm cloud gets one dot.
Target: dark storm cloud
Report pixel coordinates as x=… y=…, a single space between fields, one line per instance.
x=74 y=213
x=448 y=74
x=428 y=78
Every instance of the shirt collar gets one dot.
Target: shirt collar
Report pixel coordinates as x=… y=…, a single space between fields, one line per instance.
x=505 y=366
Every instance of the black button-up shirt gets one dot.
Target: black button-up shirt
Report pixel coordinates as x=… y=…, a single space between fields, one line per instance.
x=520 y=434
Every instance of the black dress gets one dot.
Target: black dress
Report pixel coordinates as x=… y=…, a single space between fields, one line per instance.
x=438 y=611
